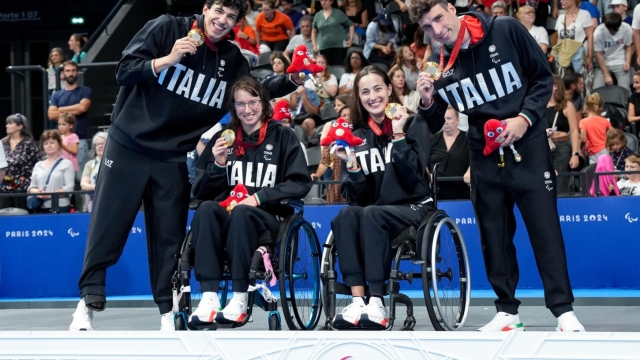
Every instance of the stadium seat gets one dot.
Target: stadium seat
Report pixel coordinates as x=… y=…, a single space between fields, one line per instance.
x=632 y=142
x=337 y=71
x=263 y=61
x=261 y=73
x=301 y=134
x=616 y=95
x=381 y=66
x=393 y=8
x=328 y=113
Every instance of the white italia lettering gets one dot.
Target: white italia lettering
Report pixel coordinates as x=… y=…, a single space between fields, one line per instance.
x=185 y=84
x=456 y=96
x=377 y=164
x=236 y=174
x=196 y=89
x=362 y=160
x=248 y=178
x=509 y=73
x=387 y=153
x=259 y=174
x=207 y=93
x=219 y=95
x=470 y=93
x=485 y=90
x=162 y=75
x=179 y=68
x=268 y=179
x=496 y=82
x=443 y=95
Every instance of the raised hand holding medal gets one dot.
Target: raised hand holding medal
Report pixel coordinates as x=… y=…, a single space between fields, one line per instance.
x=220 y=148
x=398 y=115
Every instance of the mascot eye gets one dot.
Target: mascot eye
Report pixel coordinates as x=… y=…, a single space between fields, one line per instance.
x=239 y=195
x=490 y=134
x=233 y=193
x=499 y=130
x=345 y=125
x=335 y=124
x=300 y=53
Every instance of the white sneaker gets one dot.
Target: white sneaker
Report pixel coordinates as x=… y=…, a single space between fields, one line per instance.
x=167 y=322
x=235 y=311
x=568 y=322
x=503 y=322
x=375 y=314
x=82 y=318
x=207 y=309
x=350 y=315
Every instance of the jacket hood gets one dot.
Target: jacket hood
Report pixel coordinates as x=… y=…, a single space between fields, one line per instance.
x=487 y=23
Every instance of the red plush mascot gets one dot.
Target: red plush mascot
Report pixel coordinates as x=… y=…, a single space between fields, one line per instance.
x=492 y=130
x=238 y=194
x=302 y=63
x=340 y=133
x=281 y=111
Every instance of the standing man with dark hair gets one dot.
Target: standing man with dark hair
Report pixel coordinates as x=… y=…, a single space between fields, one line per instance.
x=75 y=100
x=488 y=72
x=574 y=88
x=172 y=91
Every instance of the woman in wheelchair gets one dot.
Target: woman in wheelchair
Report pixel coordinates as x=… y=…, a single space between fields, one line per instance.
x=268 y=159
x=387 y=188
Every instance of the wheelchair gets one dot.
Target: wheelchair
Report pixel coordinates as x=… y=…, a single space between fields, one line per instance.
x=438 y=247
x=294 y=253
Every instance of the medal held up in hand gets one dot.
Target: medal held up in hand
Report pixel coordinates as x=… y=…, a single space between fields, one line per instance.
x=197 y=35
x=229 y=137
x=432 y=69
x=390 y=110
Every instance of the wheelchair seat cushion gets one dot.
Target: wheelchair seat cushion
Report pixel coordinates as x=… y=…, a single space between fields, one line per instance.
x=408 y=234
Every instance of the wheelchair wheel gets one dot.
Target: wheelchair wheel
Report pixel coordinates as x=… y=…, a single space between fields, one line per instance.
x=180 y=322
x=274 y=321
x=445 y=273
x=299 y=277
x=329 y=257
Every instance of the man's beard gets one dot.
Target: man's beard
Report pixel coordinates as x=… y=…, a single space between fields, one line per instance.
x=71 y=80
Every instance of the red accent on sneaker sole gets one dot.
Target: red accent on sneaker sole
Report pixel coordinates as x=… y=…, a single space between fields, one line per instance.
x=241 y=318
x=506 y=328
x=212 y=316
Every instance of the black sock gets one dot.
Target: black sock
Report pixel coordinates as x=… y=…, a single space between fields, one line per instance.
x=379 y=297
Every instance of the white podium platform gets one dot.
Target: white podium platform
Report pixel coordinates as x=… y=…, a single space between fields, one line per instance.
x=333 y=345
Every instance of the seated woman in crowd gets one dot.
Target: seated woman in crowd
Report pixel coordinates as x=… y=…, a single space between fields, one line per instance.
x=354 y=61
x=58 y=171
x=278 y=62
x=246 y=37
x=450 y=149
x=421 y=49
x=630 y=185
x=220 y=235
x=617 y=147
x=21 y=155
x=593 y=128
x=273 y=28
x=357 y=14
x=382 y=39
x=408 y=98
x=406 y=60
x=395 y=153
x=634 y=99
x=562 y=120
x=90 y=171
x=325 y=78
x=341 y=101
x=527 y=16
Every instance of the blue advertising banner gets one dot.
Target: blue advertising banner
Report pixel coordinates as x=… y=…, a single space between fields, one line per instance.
x=41 y=255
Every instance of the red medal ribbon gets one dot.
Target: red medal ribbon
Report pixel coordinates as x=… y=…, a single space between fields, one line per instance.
x=387 y=129
x=456 y=48
x=239 y=145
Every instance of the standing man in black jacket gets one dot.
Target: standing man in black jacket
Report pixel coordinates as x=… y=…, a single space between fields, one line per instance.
x=172 y=90
x=492 y=70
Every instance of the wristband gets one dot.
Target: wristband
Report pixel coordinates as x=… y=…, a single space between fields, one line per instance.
x=576 y=153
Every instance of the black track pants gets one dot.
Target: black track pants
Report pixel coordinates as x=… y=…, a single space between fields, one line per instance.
x=363 y=241
x=127 y=178
x=530 y=184
x=242 y=228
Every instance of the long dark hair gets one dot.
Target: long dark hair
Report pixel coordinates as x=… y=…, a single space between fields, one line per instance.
x=19 y=119
x=347 y=60
x=359 y=115
x=253 y=87
x=561 y=102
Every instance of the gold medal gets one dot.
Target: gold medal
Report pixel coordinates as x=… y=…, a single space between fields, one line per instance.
x=432 y=69
x=302 y=76
x=390 y=110
x=229 y=137
x=197 y=35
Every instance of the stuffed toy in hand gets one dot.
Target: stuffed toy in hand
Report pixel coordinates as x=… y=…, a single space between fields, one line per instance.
x=340 y=133
x=302 y=63
x=492 y=130
x=236 y=195
x=281 y=111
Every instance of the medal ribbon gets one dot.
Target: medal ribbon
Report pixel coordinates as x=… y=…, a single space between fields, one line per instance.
x=456 y=48
x=239 y=145
x=386 y=126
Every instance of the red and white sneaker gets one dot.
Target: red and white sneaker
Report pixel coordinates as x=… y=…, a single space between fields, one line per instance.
x=350 y=315
x=235 y=311
x=206 y=311
x=568 y=322
x=503 y=322
x=375 y=314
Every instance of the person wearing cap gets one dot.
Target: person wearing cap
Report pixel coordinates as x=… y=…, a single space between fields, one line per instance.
x=612 y=42
x=620 y=7
x=382 y=36
x=604 y=6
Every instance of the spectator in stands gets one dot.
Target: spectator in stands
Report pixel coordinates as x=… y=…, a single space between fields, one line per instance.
x=606 y=183
x=306 y=104
x=354 y=62
x=56 y=57
x=421 y=50
x=593 y=128
x=294 y=15
x=406 y=60
x=409 y=98
x=75 y=100
x=540 y=13
x=304 y=38
x=328 y=32
x=69 y=144
x=612 y=42
x=246 y=37
x=90 y=171
x=3 y=164
x=357 y=14
x=630 y=185
x=76 y=42
x=634 y=100
x=620 y=7
x=251 y=15
x=450 y=149
x=58 y=170
x=576 y=25
x=499 y=8
x=273 y=28
x=574 y=88
x=562 y=129
x=527 y=16
x=382 y=37
x=584 y=5
x=617 y=147
x=325 y=78
x=341 y=101
x=21 y=154
x=604 y=6
x=278 y=62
